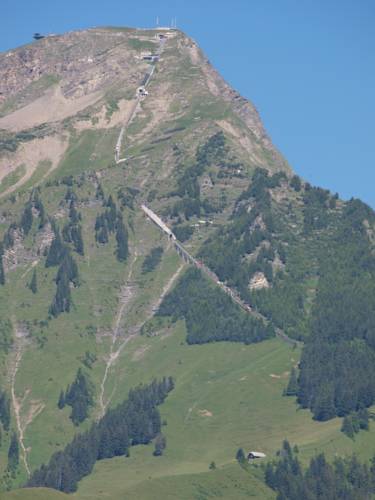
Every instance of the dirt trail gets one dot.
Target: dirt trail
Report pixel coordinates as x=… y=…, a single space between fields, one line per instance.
x=22 y=422
x=126 y=295
x=132 y=332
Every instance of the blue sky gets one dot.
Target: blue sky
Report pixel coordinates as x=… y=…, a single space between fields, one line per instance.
x=308 y=66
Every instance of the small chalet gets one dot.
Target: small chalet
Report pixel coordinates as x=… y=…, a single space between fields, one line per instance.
x=253 y=455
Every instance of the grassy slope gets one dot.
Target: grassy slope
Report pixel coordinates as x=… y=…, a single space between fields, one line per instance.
x=240 y=385
x=234 y=383
x=34 y=494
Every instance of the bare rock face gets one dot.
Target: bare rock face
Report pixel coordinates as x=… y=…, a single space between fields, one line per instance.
x=55 y=90
x=258 y=281
x=84 y=62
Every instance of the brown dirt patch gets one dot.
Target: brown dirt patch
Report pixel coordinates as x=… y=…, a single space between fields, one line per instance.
x=51 y=107
x=205 y=413
x=31 y=154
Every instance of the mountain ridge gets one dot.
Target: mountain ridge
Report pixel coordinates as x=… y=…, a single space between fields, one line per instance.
x=105 y=302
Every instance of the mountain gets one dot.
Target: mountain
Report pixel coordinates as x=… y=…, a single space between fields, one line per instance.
x=152 y=234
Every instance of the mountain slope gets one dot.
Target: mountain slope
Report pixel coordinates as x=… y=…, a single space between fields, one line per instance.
x=84 y=271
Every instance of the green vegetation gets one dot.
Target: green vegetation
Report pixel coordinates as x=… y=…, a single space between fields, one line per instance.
x=4 y=410
x=34 y=282
x=135 y=421
x=355 y=422
x=152 y=260
x=79 y=396
x=13 y=454
x=32 y=91
x=209 y=313
x=92 y=149
x=6 y=335
x=137 y=44
x=292 y=388
x=213 y=151
x=248 y=231
x=337 y=373
x=229 y=395
x=12 y=178
x=344 y=479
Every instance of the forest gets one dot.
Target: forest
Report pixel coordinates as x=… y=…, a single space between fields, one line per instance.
x=135 y=421
x=344 y=479
x=209 y=313
x=337 y=369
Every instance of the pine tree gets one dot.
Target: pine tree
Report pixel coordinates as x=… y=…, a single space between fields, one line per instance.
x=77 y=239
x=56 y=251
x=99 y=192
x=27 y=219
x=2 y=272
x=73 y=214
x=324 y=408
x=363 y=419
x=62 y=300
x=292 y=389
x=122 y=250
x=296 y=183
x=160 y=445
x=33 y=283
x=61 y=401
x=4 y=410
x=102 y=235
x=240 y=456
x=80 y=397
x=347 y=427
x=13 y=454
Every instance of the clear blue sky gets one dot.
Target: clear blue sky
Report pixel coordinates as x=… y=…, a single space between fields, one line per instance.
x=309 y=67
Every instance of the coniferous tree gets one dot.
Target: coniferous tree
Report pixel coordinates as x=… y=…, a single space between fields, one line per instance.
x=345 y=478
x=292 y=389
x=2 y=272
x=76 y=234
x=160 y=445
x=347 y=426
x=27 y=219
x=73 y=214
x=5 y=410
x=240 y=456
x=66 y=233
x=122 y=250
x=135 y=421
x=296 y=183
x=99 y=192
x=13 y=454
x=33 y=283
x=79 y=396
x=61 y=401
x=102 y=235
x=62 y=300
x=69 y=268
x=56 y=251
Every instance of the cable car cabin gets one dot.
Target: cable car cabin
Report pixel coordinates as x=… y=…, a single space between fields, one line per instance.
x=253 y=455
x=142 y=92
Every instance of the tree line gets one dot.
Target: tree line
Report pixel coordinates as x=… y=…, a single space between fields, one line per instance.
x=209 y=313
x=337 y=369
x=135 y=421
x=344 y=479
